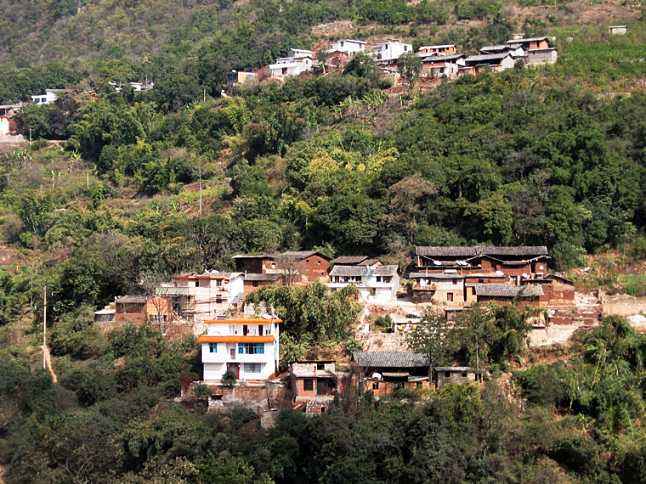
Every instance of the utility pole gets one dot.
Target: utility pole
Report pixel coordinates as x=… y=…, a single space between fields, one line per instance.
x=44 y=327
x=200 y=175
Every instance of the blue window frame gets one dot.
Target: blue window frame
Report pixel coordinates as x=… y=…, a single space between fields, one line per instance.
x=251 y=348
x=213 y=347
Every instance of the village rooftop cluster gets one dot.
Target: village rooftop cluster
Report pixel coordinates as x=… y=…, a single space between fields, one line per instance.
x=438 y=62
x=243 y=341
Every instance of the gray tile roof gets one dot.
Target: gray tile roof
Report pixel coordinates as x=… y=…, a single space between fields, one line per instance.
x=424 y=275
x=473 y=250
x=390 y=359
x=528 y=39
x=486 y=57
x=493 y=47
x=349 y=259
x=131 y=299
x=290 y=254
x=504 y=290
x=357 y=271
x=442 y=58
x=262 y=277
x=390 y=270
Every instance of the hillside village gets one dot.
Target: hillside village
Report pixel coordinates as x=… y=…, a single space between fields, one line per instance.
x=215 y=307
x=331 y=241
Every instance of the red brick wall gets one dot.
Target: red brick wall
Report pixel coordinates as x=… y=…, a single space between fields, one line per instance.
x=315 y=267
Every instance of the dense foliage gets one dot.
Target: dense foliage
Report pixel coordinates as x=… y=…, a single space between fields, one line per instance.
x=111 y=418
x=144 y=185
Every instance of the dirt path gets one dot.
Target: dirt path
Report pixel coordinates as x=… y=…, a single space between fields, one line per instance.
x=48 y=363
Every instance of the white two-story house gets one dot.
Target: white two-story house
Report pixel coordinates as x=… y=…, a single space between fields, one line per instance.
x=197 y=297
x=347 y=46
x=50 y=96
x=300 y=61
x=377 y=284
x=390 y=51
x=247 y=347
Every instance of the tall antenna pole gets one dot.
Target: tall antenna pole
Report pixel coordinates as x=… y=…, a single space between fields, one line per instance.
x=200 y=171
x=44 y=327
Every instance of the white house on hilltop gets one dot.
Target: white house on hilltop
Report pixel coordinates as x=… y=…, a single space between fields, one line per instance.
x=247 y=347
x=50 y=96
x=348 y=46
x=300 y=61
x=197 y=297
x=376 y=284
x=391 y=50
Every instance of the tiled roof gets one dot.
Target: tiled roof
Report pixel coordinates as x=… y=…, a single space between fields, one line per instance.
x=390 y=270
x=528 y=39
x=357 y=271
x=473 y=250
x=424 y=275
x=262 y=277
x=349 y=259
x=486 y=57
x=289 y=254
x=442 y=58
x=504 y=290
x=494 y=47
x=390 y=359
x=131 y=299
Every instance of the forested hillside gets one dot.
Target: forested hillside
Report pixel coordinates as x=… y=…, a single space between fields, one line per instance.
x=144 y=185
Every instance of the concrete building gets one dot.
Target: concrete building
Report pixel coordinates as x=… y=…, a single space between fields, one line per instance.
x=538 y=50
x=437 y=50
x=390 y=51
x=376 y=284
x=238 y=78
x=50 y=96
x=247 y=348
x=446 y=66
x=196 y=297
x=300 y=61
x=348 y=46
x=314 y=384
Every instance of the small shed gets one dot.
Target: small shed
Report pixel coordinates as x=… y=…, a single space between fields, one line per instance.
x=455 y=375
x=617 y=30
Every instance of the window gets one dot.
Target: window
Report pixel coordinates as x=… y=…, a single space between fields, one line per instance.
x=375 y=385
x=447 y=374
x=464 y=374
x=252 y=367
x=455 y=281
x=254 y=283
x=308 y=384
x=260 y=330
x=245 y=329
x=449 y=296
x=218 y=299
x=320 y=366
x=373 y=291
x=213 y=347
x=251 y=348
